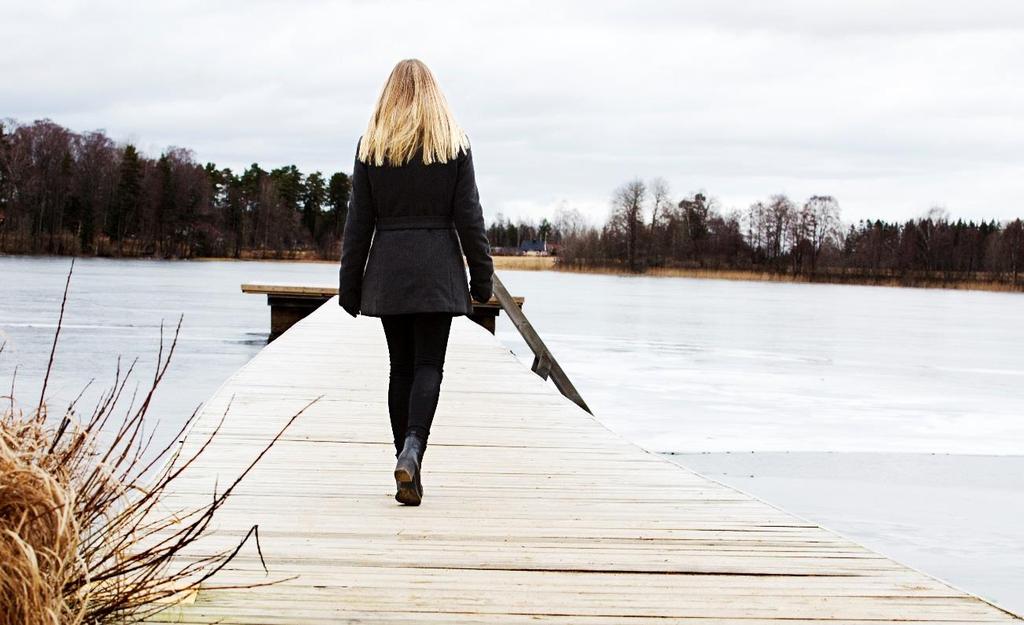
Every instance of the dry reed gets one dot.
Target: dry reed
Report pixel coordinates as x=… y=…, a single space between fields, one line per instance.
x=83 y=535
x=930 y=280
x=525 y=263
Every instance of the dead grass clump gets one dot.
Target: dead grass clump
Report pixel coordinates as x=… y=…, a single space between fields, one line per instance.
x=85 y=533
x=39 y=534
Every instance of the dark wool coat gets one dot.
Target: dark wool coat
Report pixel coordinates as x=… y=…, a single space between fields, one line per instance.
x=401 y=249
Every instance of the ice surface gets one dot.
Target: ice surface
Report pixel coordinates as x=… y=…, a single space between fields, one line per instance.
x=676 y=364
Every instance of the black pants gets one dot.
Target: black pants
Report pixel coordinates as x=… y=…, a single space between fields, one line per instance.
x=417 y=344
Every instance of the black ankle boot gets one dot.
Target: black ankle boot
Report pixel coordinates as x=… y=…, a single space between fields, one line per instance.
x=407 y=471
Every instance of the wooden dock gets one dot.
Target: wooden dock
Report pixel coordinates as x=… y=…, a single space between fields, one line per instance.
x=532 y=512
x=291 y=303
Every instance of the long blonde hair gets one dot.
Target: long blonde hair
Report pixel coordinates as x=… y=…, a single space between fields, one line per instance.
x=411 y=113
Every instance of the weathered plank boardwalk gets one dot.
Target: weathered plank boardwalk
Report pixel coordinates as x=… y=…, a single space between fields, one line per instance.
x=533 y=511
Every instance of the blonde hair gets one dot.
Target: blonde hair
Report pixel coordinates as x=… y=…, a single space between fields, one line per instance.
x=411 y=114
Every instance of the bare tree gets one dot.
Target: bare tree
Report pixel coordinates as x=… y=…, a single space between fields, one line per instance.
x=569 y=222
x=782 y=211
x=821 y=225
x=660 y=204
x=757 y=218
x=627 y=218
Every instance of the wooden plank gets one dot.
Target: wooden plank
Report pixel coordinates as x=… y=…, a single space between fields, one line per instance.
x=289 y=289
x=544 y=363
x=533 y=510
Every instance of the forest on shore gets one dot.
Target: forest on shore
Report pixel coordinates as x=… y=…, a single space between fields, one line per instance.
x=69 y=193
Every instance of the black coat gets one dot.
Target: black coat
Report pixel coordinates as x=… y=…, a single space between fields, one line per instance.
x=401 y=248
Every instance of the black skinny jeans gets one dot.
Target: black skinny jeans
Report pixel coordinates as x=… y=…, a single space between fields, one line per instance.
x=417 y=344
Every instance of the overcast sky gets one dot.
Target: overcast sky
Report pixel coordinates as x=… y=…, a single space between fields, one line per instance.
x=891 y=106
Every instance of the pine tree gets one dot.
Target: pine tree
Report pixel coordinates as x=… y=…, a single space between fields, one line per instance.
x=129 y=193
x=289 y=186
x=338 y=189
x=165 y=203
x=314 y=196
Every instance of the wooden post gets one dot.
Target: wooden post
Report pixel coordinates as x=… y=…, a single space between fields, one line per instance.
x=287 y=310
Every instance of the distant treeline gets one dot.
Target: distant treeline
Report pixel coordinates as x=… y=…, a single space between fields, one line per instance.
x=647 y=229
x=68 y=193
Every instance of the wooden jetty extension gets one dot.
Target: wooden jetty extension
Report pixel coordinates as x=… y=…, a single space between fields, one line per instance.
x=533 y=511
x=289 y=303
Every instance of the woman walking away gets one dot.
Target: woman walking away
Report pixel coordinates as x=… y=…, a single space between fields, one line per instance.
x=414 y=201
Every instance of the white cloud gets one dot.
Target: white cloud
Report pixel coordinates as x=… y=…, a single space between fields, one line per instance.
x=890 y=106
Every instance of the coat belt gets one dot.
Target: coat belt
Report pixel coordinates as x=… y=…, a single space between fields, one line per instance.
x=414 y=222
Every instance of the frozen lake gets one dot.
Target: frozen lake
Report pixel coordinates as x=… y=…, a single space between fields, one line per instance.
x=675 y=365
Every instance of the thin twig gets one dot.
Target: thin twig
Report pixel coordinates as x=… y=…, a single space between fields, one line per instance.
x=56 y=335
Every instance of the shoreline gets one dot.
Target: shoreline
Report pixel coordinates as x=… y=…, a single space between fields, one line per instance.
x=838 y=278
x=855 y=279
x=549 y=263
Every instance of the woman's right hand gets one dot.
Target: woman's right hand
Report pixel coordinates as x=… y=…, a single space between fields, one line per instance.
x=481 y=294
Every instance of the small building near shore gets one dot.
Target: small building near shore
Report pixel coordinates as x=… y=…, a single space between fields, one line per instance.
x=528 y=247
x=535 y=246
